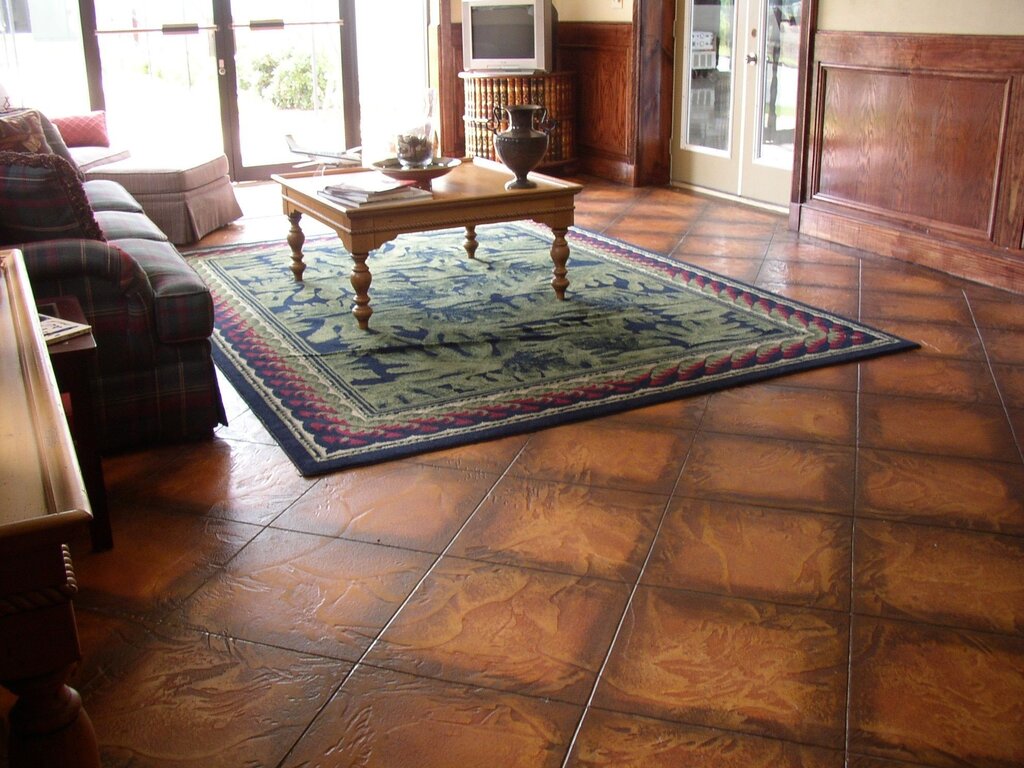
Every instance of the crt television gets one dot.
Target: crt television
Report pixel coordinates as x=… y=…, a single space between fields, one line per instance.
x=507 y=35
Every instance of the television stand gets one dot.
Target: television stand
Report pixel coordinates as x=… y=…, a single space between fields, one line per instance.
x=555 y=90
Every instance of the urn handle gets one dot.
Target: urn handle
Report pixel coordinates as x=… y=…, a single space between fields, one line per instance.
x=494 y=123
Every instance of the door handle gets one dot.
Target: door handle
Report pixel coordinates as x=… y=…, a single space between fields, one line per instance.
x=221 y=69
x=751 y=58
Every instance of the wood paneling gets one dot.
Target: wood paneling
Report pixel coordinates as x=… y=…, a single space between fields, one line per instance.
x=913 y=148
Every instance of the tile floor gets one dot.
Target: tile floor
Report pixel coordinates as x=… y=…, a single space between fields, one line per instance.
x=823 y=570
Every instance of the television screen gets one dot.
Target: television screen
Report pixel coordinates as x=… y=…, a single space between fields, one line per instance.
x=503 y=31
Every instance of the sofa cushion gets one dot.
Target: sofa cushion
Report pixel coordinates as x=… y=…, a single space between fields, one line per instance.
x=22 y=131
x=121 y=225
x=169 y=174
x=88 y=158
x=183 y=306
x=41 y=198
x=110 y=196
x=89 y=130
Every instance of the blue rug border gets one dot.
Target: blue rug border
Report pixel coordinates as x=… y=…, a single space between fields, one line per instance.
x=309 y=466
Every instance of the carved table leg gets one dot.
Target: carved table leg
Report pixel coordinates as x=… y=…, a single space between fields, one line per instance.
x=361 y=278
x=471 y=244
x=560 y=256
x=49 y=727
x=295 y=239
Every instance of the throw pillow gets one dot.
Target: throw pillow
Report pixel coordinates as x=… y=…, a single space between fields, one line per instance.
x=83 y=130
x=22 y=132
x=41 y=198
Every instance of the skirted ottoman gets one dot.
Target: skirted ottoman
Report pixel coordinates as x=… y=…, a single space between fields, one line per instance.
x=186 y=197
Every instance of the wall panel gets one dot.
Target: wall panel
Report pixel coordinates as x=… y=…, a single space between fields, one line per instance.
x=913 y=147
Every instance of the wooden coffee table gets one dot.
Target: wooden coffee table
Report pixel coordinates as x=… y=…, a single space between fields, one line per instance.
x=472 y=194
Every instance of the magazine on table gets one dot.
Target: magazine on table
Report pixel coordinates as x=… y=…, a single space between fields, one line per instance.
x=408 y=193
x=57 y=329
x=369 y=185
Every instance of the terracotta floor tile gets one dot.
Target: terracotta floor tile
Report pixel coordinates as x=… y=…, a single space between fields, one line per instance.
x=802 y=273
x=881 y=305
x=385 y=719
x=247 y=428
x=773 y=411
x=936 y=427
x=396 y=503
x=912 y=375
x=571 y=529
x=744 y=270
x=249 y=482
x=842 y=378
x=308 y=593
x=810 y=251
x=1010 y=380
x=189 y=699
x=492 y=456
x=961 y=579
x=147 y=574
x=961 y=342
x=766 y=554
x=749 y=470
x=732 y=664
x=936 y=696
x=1005 y=347
x=1006 y=313
x=684 y=413
x=886 y=279
x=591 y=452
x=841 y=301
x=614 y=740
x=730 y=213
x=959 y=492
x=744 y=230
x=536 y=633
x=703 y=245
x=657 y=236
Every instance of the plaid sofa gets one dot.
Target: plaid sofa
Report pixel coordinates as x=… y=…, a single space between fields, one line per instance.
x=151 y=314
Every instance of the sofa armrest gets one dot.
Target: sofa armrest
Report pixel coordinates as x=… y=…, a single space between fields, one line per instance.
x=113 y=290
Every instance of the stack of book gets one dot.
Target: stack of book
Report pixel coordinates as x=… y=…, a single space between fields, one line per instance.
x=57 y=329
x=369 y=187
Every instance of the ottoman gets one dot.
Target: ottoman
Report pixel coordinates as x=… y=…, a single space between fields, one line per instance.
x=187 y=196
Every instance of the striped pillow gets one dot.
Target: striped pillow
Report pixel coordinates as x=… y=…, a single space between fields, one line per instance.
x=41 y=198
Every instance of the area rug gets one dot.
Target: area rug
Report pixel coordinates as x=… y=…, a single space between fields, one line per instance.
x=462 y=350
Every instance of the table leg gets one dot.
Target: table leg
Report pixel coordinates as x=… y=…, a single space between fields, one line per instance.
x=560 y=256
x=49 y=725
x=470 y=244
x=295 y=239
x=361 y=279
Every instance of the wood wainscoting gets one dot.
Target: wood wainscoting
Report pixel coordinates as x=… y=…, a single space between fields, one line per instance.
x=914 y=149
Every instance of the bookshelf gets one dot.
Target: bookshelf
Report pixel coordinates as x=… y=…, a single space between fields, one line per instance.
x=555 y=90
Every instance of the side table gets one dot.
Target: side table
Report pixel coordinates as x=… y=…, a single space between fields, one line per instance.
x=72 y=360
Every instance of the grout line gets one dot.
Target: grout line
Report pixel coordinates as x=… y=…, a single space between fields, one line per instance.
x=404 y=603
x=629 y=600
x=995 y=381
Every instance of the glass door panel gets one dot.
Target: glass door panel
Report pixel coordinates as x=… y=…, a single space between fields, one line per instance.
x=289 y=79
x=710 y=81
x=779 y=84
x=159 y=75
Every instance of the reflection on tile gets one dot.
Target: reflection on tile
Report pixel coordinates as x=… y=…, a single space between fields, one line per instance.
x=385 y=719
x=613 y=740
x=400 y=504
x=731 y=549
x=749 y=470
x=732 y=664
x=970 y=580
x=190 y=699
x=590 y=453
x=930 y=376
x=937 y=427
x=784 y=413
x=936 y=696
x=567 y=528
x=541 y=634
x=307 y=593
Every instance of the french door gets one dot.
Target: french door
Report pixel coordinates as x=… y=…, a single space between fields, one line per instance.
x=237 y=76
x=736 y=95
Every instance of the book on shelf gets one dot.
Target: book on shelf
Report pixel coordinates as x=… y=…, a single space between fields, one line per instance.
x=369 y=185
x=57 y=329
x=357 y=201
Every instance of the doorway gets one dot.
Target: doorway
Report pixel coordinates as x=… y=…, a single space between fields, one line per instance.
x=242 y=76
x=736 y=97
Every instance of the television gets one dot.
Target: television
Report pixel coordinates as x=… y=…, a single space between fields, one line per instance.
x=507 y=35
